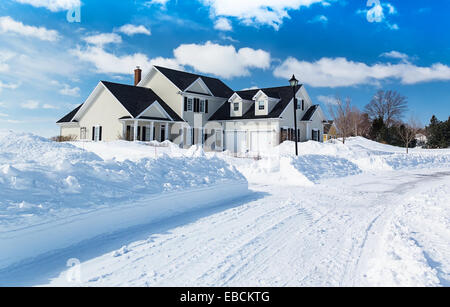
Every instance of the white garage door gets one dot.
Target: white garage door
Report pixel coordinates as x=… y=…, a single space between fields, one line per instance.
x=235 y=141
x=261 y=141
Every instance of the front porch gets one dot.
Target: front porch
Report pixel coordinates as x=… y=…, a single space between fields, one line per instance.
x=146 y=130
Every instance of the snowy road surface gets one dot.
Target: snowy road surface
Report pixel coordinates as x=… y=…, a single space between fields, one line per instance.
x=385 y=228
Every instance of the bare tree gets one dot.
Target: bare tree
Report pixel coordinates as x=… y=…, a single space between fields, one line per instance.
x=364 y=125
x=341 y=112
x=387 y=105
x=407 y=131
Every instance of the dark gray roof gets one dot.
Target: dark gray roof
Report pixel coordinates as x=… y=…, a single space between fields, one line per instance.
x=284 y=93
x=136 y=99
x=309 y=114
x=184 y=79
x=69 y=117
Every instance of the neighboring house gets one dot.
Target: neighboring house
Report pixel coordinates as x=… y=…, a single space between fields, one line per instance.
x=190 y=109
x=421 y=139
x=329 y=130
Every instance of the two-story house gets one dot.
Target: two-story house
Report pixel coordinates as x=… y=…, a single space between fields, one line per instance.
x=190 y=109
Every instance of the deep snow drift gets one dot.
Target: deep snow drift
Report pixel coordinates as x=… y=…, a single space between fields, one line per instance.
x=43 y=182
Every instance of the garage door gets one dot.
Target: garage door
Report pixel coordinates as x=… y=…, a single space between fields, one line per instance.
x=261 y=141
x=235 y=141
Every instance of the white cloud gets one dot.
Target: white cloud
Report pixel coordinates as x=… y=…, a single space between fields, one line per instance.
x=319 y=19
x=131 y=30
x=53 y=5
x=103 y=39
x=250 y=88
x=109 y=63
x=9 y=25
x=222 y=61
x=223 y=24
x=30 y=105
x=69 y=91
x=328 y=100
x=258 y=12
x=376 y=13
x=49 y=107
x=156 y=2
x=203 y=58
x=339 y=72
x=10 y=86
x=33 y=105
x=5 y=56
x=395 y=55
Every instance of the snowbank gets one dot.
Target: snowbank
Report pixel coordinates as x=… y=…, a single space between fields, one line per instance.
x=321 y=161
x=53 y=195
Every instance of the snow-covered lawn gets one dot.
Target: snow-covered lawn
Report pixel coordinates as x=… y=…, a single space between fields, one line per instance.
x=357 y=214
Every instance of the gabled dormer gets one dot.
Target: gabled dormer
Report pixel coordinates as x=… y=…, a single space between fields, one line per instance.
x=264 y=104
x=199 y=87
x=238 y=105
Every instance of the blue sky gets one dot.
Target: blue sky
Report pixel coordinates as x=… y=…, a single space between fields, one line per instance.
x=49 y=65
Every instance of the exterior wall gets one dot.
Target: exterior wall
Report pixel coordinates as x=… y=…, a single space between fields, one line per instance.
x=165 y=89
x=317 y=124
x=105 y=111
x=70 y=130
x=198 y=120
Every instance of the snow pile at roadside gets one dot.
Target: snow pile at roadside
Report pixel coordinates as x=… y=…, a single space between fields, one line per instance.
x=321 y=161
x=134 y=151
x=42 y=182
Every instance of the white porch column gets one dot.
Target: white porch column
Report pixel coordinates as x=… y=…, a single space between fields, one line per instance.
x=308 y=132
x=135 y=131
x=166 y=131
x=152 y=131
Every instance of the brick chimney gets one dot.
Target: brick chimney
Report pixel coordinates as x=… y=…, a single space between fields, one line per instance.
x=137 y=75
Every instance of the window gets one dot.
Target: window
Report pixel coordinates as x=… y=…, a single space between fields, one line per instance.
x=202 y=106
x=299 y=104
x=97 y=133
x=190 y=102
x=147 y=134
x=315 y=135
x=83 y=133
x=236 y=106
x=261 y=105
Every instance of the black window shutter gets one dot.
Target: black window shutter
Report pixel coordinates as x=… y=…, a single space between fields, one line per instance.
x=100 y=134
x=206 y=106
x=303 y=105
x=93 y=133
x=143 y=133
x=195 y=105
x=185 y=104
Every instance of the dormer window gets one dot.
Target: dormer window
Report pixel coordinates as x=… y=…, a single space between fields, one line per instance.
x=261 y=105
x=236 y=106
